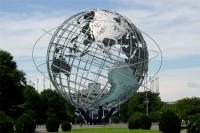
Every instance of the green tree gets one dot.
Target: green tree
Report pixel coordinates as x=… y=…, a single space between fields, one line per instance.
x=6 y=123
x=52 y=123
x=12 y=82
x=55 y=103
x=139 y=120
x=124 y=112
x=169 y=122
x=25 y=123
x=194 y=124
x=168 y=106
x=137 y=102
x=34 y=102
x=187 y=107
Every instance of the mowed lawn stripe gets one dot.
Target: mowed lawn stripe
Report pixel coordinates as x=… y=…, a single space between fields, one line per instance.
x=109 y=130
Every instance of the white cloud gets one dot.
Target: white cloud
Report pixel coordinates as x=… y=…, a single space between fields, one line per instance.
x=174 y=83
x=19 y=32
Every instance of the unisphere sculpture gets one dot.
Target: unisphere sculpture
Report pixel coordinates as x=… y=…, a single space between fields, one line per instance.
x=97 y=58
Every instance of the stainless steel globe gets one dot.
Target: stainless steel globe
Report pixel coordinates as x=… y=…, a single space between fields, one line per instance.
x=97 y=58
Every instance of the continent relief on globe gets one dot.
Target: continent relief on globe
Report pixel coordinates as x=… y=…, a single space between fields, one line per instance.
x=123 y=84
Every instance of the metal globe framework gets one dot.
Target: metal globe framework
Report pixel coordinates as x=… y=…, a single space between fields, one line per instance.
x=81 y=67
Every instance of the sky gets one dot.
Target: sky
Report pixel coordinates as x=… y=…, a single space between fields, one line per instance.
x=174 y=24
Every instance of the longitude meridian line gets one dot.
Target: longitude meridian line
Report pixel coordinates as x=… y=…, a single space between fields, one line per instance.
x=94 y=79
x=86 y=62
x=90 y=66
x=67 y=39
x=63 y=31
x=57 y=31
x=80 y=43
x=143 y=71
x=61 y=86
x=102 y=64
x=80 y=58
x=55 y=54
x=101 y=67
x=100 y=70
x=79 y=46
x=137 y=44
x=134 y=28
x=97 y=76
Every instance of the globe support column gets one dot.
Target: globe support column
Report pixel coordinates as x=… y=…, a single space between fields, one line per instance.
x=99 y=120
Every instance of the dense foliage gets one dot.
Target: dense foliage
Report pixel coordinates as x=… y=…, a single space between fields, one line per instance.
x=194 y=124
x=25 y=124
x=66 y=126
x=187 y=107
x=34 y=102
x=12 y=82
x=124 y=115
x=52 y=123
x=169 y=122
x=79 y=119
x=137 y=104
x=146 y=122
x=115 y=118
x=155 y=116
x=6 y=123
x=46 y=103
x=54 y=103
x=139 y=120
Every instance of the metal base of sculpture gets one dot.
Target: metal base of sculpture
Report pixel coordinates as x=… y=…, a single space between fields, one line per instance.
x=100 y=119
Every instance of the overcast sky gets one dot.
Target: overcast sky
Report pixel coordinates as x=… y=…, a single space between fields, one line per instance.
x=174 y=24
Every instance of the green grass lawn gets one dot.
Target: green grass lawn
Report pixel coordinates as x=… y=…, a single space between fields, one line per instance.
x=109 y=130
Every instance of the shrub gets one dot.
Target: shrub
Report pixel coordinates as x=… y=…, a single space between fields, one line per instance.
x=154 y=116
x=169 y=122
x=79 y=119
x=194 y=125
x=115 y=119
x=25 y=124
x=66 y=126
x=145 y=122
x=133 y=122
x=52 y=123
x=139 y=120
x=6 y=123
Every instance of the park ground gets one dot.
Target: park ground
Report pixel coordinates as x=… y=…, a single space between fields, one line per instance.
x=109 y=128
